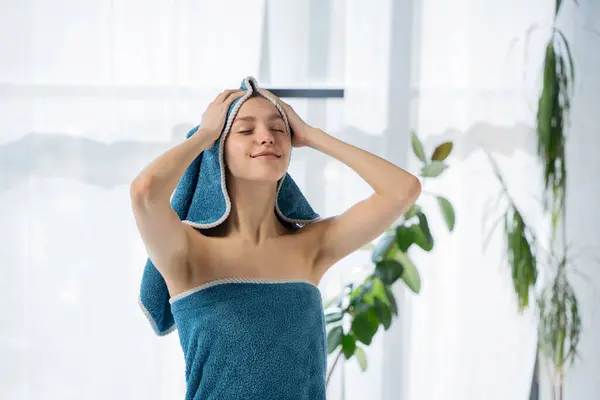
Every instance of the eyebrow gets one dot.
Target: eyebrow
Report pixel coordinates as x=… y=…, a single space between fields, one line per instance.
x=252 y=118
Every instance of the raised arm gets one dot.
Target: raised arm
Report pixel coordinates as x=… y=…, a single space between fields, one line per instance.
x=166 y=238
x=395 y=190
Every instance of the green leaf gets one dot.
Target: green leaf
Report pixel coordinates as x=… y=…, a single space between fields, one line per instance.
x=360 y=355
x=418 y=147
x=407 y=235
x=558 y=3
x=521 y=258
x=447 y=212
x=442 y=151
x=382 y=247
x=367 y=292
x=348 y=345
x=420 y=239
x=355 y=294
x=361 y=306
x=364 y=326
x=434 y=169
x=545 y=114
x=569 y=55
x=412 y=211
x=383 y=312
x=424 y=225
x=357 y=298
x=378 y=290
x=334 y=339
x=389 y=271
x=391 y=300
x=410 y=274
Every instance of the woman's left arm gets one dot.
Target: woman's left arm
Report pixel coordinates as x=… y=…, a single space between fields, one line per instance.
x=395 y=190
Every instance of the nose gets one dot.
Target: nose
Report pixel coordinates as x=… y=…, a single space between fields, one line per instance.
x=265 y=135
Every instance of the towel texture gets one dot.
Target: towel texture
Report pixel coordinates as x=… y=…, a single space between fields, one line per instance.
x=253 y=339
x=201 y=200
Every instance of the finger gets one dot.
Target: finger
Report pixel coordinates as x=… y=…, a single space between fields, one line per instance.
x=234 y=96
x=224 y=94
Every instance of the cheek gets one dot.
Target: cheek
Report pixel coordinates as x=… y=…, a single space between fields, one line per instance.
x=288 y=149
x=235 y=152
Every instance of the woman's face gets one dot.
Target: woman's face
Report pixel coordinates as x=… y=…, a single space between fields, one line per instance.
x=258 y=127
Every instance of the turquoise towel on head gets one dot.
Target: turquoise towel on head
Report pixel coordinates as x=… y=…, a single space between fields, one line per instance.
x=253 y=339
x=201 y=200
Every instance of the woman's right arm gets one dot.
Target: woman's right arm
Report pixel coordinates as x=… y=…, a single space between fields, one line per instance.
x=166 y=238
x=161 y=229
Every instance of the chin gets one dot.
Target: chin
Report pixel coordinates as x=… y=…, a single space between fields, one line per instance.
x=262 y=175
x=268 y=177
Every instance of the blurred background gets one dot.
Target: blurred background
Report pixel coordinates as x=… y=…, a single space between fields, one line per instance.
x=92 y=90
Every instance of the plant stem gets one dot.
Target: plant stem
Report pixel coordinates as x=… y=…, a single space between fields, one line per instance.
x=513 y=204
x=333 y=367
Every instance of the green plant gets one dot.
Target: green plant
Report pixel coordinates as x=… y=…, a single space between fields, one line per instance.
x=354 y=316
x=528 y=253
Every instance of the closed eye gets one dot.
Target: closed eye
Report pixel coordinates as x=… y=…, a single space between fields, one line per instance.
x=249 y=131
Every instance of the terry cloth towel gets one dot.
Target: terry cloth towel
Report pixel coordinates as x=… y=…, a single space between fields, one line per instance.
x=201 y=200
x=253 y=339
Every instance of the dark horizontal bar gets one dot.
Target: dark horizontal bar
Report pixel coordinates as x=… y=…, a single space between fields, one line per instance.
x=309 y=93
x=20 y=90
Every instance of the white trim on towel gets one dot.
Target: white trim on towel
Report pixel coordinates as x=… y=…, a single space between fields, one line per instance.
x=153 y=323
x=224 y=281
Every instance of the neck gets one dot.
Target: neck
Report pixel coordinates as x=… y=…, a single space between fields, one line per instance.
x=252 y=218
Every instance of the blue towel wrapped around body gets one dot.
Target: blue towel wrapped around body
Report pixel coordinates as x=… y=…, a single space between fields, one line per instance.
x=253 y=339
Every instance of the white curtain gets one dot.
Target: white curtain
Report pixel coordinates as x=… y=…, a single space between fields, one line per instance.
x=91 y=91
x=476 y=78
x=473 y=85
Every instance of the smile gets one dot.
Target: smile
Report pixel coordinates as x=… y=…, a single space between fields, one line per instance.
x=268 y=157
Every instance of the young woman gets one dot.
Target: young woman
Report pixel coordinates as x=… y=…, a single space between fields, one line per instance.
x=252 y=242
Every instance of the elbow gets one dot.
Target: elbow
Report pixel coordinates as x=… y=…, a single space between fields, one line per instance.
x=410 y=191
x=415 y=189
x=148 y=192
x=141 y=190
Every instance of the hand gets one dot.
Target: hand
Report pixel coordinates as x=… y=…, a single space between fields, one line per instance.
x=302 y=131
x=214 y=117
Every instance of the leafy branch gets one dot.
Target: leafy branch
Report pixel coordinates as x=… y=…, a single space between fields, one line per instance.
x=353 y=316
x=557 y=306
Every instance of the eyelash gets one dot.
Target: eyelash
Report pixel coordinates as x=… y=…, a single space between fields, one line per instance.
x=250 y=131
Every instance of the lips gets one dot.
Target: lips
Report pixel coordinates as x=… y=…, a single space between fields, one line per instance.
x=266 y=154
